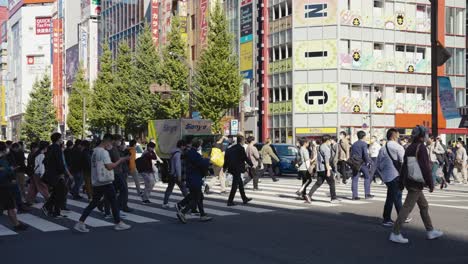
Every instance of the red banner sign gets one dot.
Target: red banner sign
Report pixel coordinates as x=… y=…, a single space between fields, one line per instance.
x=204 y=21
x=43 y=25
x=57 y=82
x=30 y=60
x=155 y=21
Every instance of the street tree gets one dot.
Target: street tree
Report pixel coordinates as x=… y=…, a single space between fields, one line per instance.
x=175 y=72
x=146 y=70
x=77 y=102
x=40 y=116
x=103 y=114
x=217 y=78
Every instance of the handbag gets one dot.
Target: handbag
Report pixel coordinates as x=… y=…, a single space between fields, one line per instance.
x=217 y=157
x=414 y=171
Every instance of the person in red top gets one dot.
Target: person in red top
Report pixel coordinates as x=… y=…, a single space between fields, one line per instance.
x=415 y=188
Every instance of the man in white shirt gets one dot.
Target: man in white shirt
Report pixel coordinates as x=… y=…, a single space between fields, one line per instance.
x=102 y=177
x=374 y=149
x=389 y=164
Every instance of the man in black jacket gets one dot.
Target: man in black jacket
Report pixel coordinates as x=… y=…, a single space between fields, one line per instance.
x=54 y=176
x=234 y=163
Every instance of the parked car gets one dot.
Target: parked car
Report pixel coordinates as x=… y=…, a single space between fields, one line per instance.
x=287 y=155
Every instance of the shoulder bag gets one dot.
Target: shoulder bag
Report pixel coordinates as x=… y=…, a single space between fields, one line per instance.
x=414 y=171
x=396 y=163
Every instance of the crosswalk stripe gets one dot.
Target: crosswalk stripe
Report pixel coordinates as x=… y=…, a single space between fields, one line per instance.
x=39 y=223
x=207 y=210
x=152 y=210
x=128 y=216
x=4 y=231
x=91 y=221
x=208 y=202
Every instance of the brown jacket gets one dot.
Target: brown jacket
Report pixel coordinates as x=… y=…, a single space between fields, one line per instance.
x=343 y=150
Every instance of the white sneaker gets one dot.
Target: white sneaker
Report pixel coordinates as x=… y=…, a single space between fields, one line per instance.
x=166 y=206
x=122 y=226
x=433 y=234
x=409 y=219
x=335 y=201
x=398 y=238
x=81 y=227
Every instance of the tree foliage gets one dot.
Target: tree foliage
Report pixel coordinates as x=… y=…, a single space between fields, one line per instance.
x=103 y=112
x=80 y=91
x=175 y=73
x=40 y=116
x=217 y=76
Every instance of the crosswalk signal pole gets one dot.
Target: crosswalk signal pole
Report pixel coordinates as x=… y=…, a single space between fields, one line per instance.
x=434 y=83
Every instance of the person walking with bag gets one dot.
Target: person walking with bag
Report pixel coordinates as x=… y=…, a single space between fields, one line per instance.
x=102 y=174
x=416 y=174
x=257 y=168
x=37 y=185
x=234 y=163
x=360 y=160
x=146 y=170
x=343 y=150
x=217 y=152
x=324 y=170
x=461 y=160
x=268 y=155
x=389 y=164
x=303 y=170
x=176 y=173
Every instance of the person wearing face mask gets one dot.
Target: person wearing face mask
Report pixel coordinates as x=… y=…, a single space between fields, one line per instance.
x=147 y=171
x=102 y=174
x=120 y=182
x=54 y=177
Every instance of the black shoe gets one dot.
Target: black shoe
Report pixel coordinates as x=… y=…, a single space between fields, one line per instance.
x=207 y=190
x=77 y=197
x=100 y=207
x=20 y=227
x=369 y=196
x=275 y=180
x=231 y=204
x=356 y=198
x=28 y=204
x=247 y=200
x=194 y=212
x=146 y=202
x=45 y=211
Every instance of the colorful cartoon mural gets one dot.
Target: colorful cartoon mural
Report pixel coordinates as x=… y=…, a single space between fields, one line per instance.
x=315 y=12
x=328 y=49
x=388 y=106
x=357 y=59
x=315 y=98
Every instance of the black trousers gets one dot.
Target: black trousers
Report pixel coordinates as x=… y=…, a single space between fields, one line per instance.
x=57 y=198
x=306 y=181
x=108 y=192
x=193 y=200
x=237 y=183
x=321 y=177
x=253 y=175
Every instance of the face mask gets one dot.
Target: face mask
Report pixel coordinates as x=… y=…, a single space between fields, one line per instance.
x=108 y=147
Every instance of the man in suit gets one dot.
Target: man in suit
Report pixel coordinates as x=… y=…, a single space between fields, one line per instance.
x=359 y=150
x=234 y=163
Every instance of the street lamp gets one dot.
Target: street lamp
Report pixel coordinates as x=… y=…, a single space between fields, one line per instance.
x=190 y=77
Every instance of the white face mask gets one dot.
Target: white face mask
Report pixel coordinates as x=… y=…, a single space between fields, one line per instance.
x=109 y=147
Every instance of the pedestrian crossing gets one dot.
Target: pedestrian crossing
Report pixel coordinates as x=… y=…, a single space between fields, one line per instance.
x=273 y=196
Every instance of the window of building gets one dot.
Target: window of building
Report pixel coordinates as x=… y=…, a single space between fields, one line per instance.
x=356 y=91
x=400 y=94
x=456 y=64
x=460 y=97
x=378 y=50
x=421 y=93
x=455 y=20
x=193 y=51
x=316 y=54
x=193 y=22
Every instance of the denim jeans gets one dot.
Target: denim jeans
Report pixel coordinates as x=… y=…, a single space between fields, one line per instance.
x=78 y=181
x=108 y=192
x=367 y=181
x=170 y=187
x=394 y=196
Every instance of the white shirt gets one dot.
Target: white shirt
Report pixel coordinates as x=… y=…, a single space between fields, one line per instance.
x=374 y=150
x=100 y=175
x=39 y=168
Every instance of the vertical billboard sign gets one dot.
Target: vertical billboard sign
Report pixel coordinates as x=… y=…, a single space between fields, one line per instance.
x=57 y=82
x=447 y=99
x=166 y=18
x=155 y=21
x=246 y=39
x=203 y=22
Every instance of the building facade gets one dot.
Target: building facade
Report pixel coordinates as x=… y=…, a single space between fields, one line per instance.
x=3 y=70
x=358 y=65
x=29 y=55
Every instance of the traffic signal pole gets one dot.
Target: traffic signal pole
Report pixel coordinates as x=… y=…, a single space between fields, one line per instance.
x=434 y=82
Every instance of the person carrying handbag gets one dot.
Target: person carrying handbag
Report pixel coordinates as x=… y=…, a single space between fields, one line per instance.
x=416 y=174
x=257 y=168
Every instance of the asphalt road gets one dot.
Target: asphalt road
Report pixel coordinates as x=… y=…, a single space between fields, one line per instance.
x=348 y=233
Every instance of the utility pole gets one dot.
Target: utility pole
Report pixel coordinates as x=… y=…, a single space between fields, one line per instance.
x=434 y=82
x=84 y=118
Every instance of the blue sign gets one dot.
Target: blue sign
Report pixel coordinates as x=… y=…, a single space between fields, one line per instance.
x=447 y=99
x=196 y=115
x=247 y=74
x=246 y=38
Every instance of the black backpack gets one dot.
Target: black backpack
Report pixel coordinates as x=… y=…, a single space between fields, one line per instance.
x=140 y=164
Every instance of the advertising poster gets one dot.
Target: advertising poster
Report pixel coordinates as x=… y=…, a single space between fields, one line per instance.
x=246 y=60
x=57 y=54
x=246 y=25
x=204 y=21
x=315 y=54
x=72 y=64
x=447 y=99
x=43 y=25
x=315 y=98
x=315 y=12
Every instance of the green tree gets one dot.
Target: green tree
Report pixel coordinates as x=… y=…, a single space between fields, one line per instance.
x=175 y=73
x=103 y=112
x=147 y=71
x=39 y=119
x=217 y=76
x=78 y=99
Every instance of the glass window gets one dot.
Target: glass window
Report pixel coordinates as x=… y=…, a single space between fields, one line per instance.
x=356 y=91
x=421 y=93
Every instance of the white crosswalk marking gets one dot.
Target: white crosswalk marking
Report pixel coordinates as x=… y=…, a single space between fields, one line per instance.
x=4 y=231
x=91 y=221
x=39 y=223
x=128 y=216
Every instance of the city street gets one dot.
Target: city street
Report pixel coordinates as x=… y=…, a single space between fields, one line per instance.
x=275 y=228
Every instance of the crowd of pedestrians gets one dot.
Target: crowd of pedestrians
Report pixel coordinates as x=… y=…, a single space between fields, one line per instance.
x=98 y=171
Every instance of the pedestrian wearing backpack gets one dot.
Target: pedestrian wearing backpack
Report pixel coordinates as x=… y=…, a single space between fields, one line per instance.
x=175 y=177
x=36 y=184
